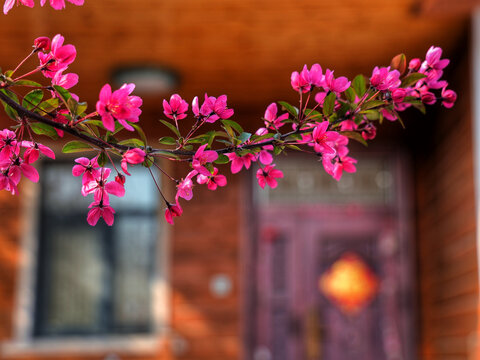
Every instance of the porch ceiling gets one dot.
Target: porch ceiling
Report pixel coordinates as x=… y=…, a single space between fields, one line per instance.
x=244 y=48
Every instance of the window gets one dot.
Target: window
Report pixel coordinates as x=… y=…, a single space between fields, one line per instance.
x=83 y=282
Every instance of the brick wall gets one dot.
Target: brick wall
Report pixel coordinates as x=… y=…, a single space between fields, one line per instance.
x=446 y=237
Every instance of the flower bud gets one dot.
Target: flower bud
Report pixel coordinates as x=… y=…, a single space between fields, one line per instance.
x=429 y=98
x=42 y=43
x=120 y=178
x=414 y=64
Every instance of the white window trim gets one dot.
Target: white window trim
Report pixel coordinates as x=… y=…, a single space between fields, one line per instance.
x=24 y=343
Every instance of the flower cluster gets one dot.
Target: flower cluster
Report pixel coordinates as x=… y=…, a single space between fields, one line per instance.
x=56 y=4
x=95 y=181
x=14 y=164
x=331 y=112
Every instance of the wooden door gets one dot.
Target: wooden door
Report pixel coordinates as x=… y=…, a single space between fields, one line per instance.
x=297 y=246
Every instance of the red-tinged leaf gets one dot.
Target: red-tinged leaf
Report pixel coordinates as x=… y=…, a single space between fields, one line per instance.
x=399 y=63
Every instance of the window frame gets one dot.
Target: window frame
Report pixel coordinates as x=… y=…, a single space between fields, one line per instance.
x=24 y=340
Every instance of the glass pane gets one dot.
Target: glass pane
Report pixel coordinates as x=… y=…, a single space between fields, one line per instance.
x=372 y=184
x=77 y=272
x=134 y=254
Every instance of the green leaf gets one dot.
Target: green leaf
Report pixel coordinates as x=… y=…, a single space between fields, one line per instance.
x=329 y=104
x=63 y=93
x=222 y=159
x=49 y=105
x=257 y=138
x=412 y=79
x=354 y=136
x=44 y=129
x=234 y=125
x=102 y=159
x=167 y=140
x=76 y=146
x=359 y=85
x=141 y=133
x=171 y=127
x=277 y=150
x=32 y=99
x=372 y=104
x=399 y=63
x=132 y=142
x=244 y=136
x=350 y=94
x=27 y=83
x=292 y=110
x=12 y=113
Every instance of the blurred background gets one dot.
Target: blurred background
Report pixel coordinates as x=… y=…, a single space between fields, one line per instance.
x=381 y=265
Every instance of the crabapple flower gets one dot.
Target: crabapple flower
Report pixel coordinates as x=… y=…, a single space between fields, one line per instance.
x=213 y=180
x=100 y=209
x=59 y=57
x=385 y=80
x=321 y=138
x=202 y=157
x=433 y=61
x=8 y=145
x=42 y=43
x=271 y=120
x=369 y=131
x=414 y=64
x=268 y=176
x=119 y=106
x=89 y=169
x=303 y=81
x=8 y=5
x=341 y=164
x=335 y=85
x=213 y=108
x=238 y=162
x=60 y=4
x=172 y=211
x=9 y=179
x=33 y=151
x=66 y=81
x=132 y=156
x=448 y=98
x=176 y=108
x=101 y=188
x=184 y=188
x=299 y=83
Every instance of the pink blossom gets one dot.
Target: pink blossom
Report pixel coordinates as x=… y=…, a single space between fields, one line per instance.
x=132 y=156
x=385 y=80
x=238 y=162
x=26 y=169
x=335 y=85
x=265 y=157
x=268 y=176
x=321 y=138
x=343 y=163
x=172 y=211
x=369 y=131
x=8 y=145
x=119 y=106
x=33 y=151
x=271 y=119
x=59 y=57
x=299 y=83
x=60 y=4
x=9 y=4
x=89 y=169
x=9 y=179
x=202 y=157
x=214 y=108
x=414 y=64
x=213 y=180
x=433 y=61
x=398 y=95
x=185 y=187
x=176 y=108
x=66 y=81
x=100 y=209
x=448 y=98
x=42 y=43
x=101 y=188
